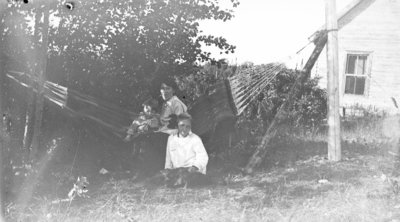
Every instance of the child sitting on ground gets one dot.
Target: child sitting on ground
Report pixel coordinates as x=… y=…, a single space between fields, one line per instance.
x=147 y=120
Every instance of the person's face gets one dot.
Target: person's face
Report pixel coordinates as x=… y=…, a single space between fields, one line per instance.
x=147 y=109
x=166 y=91
x=184 y=127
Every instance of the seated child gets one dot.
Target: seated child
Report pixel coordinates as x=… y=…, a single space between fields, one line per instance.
x=147 y=120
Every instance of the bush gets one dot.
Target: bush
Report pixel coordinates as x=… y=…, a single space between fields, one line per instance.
x=199 y=82
x=307 y=110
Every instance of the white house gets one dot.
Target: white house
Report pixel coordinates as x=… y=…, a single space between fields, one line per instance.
x=369 y=56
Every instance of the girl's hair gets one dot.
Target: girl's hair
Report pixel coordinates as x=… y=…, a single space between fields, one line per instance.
x=153 y=103
x=170 y=82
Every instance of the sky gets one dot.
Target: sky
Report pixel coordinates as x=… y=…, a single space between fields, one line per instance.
x=266 y=31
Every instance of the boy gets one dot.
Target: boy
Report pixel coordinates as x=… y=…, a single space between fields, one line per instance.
x=186 y=158
x=185 y=149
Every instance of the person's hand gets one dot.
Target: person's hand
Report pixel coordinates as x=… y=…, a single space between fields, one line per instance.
x=145 y=128
x=130 y=131
x=127 y=138
x=162 y=128
x=193 y=169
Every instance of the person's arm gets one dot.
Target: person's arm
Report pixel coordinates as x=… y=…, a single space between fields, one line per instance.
x=165 y=119
x=154 y=121
x=178 y=108
x=134 y=126
x=165 y=113
x=168 y=162
x=201 y=155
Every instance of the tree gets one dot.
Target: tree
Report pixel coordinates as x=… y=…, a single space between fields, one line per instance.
x=115 y=50
x=42 y=72
x=31 y=96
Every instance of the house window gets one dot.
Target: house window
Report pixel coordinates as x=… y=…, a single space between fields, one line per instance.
x=356 y=74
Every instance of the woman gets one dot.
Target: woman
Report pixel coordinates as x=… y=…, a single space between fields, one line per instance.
x=154 y=154
x=171 y=108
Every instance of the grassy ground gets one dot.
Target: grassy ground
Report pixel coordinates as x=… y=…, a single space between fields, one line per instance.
x=297 y=183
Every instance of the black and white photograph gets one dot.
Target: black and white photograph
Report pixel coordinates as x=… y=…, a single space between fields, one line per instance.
x=199 y=110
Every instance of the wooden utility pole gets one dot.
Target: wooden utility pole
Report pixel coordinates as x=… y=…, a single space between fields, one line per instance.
x=334 y=148
x=31 y=96
x=42 y=79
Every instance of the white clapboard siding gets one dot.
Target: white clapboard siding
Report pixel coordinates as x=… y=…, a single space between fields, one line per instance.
x=376 y=30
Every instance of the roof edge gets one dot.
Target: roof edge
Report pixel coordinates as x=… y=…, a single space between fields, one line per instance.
x=348 y=13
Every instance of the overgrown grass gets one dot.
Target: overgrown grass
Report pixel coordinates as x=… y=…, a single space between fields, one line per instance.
x=297 y=183
x=352 y=190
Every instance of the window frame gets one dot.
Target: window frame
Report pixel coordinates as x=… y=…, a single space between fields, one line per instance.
x=367 y=75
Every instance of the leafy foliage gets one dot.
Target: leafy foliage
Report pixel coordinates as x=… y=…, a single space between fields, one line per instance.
x=120 y=47
x=306 y=111
x=115 y=50
x=308 y=108
x=112 y=50
x=199 y=82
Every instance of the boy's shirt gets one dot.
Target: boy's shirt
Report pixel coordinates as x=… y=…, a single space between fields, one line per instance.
x=186 y=152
